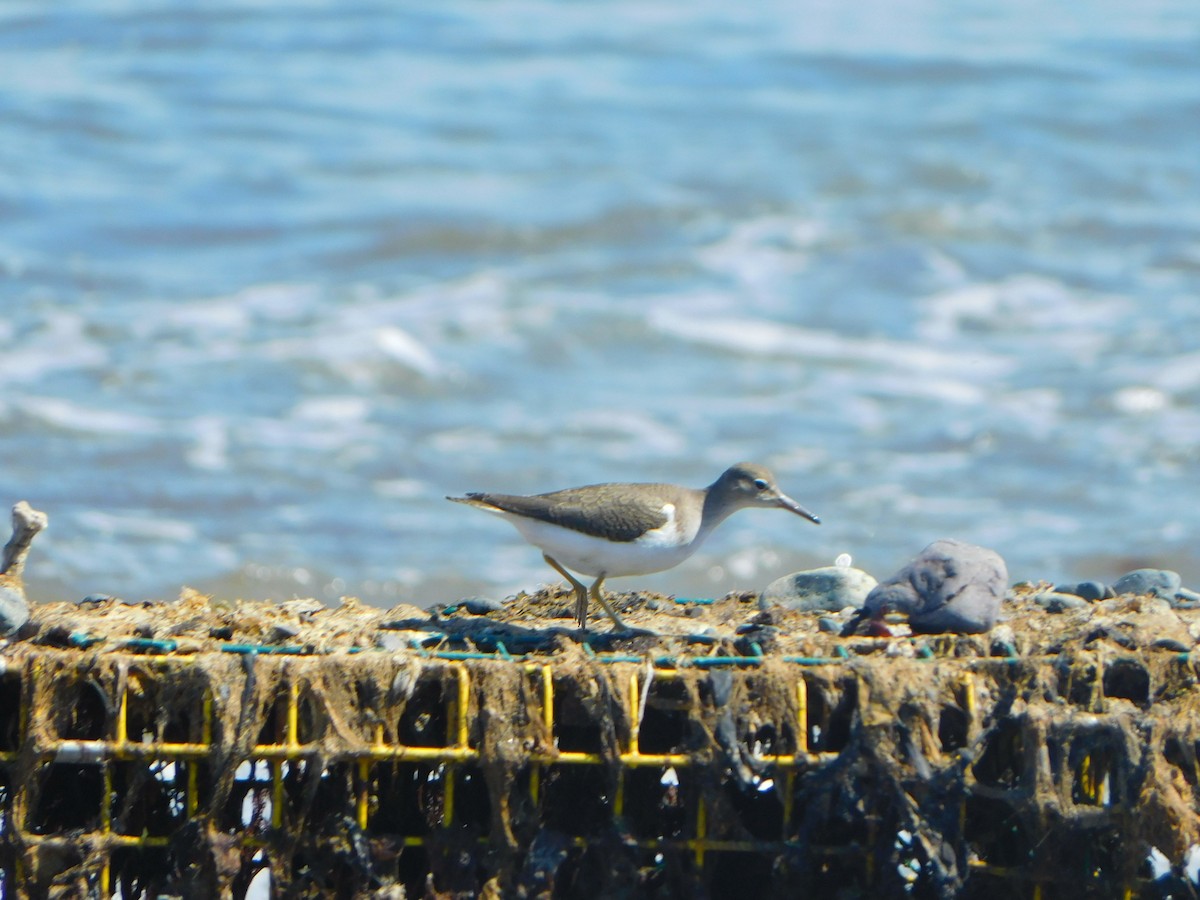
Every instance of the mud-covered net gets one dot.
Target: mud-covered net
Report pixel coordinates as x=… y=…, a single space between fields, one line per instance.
x=201 y=749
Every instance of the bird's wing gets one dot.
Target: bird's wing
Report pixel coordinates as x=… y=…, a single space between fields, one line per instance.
x=608 y=518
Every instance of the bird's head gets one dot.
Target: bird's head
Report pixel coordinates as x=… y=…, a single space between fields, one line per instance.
x=749 y=484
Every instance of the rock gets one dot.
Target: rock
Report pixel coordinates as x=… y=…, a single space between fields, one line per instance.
x=1057 y=602
x=480 y=606
x=1171 y=644
x=304 y=607
x=14 y=608
x=1004 y=642
x=282 y=633
x=1107 y=632
x=827 y=589
x=395 y=641
x=950 y=587
x=1088 y=590
x=829 y=624
x=1160 y=582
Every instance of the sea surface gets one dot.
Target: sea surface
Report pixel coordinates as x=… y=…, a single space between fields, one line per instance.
x=276 y=277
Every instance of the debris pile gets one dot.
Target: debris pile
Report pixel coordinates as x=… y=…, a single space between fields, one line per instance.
x=194 y=745
x=200 y=747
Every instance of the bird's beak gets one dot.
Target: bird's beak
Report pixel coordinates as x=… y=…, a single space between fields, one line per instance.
x=786 y=502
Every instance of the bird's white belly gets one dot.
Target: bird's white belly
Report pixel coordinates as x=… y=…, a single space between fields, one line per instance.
x=652 y=552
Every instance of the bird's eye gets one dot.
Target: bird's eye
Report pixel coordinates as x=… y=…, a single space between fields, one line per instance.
x=760 y=484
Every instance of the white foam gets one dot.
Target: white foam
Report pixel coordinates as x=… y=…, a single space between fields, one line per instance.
x=403 y=348
x=1139 y=400
x=1178 y=374
x=650 y=435
x=362 y=354
x=128 y=525
x=83 y=418
x=334 y=409
x=1077 y=321
x=760 y=337
x=763 y=253
x=200 y=318
x=399 y=488
x=210 y=450
x=289 y=434
x=60 y=343
x=1038 y=410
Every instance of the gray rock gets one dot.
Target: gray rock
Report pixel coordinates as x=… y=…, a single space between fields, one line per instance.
x=1056 y=601
x=1160 y=582
x=304 y=607
x=14 y=608
x=282 y=633
x=829 y=624
x=827 y=589
x=950 y=587
x=480 y=606
x=1088 y=590
x=393 y=640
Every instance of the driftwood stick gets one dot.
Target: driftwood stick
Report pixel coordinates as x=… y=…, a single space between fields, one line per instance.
x=27 y=522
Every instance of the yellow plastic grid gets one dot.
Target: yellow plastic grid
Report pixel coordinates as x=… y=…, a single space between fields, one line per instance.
x=1091 y=775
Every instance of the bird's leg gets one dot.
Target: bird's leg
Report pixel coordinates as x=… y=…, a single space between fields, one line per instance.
x=581 y=594
x=612 y=613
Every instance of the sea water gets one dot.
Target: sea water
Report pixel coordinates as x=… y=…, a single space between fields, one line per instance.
x=277 y=277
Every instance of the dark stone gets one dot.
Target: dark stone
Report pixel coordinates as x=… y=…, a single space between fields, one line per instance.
x=1171 y=644
x=766 y=617
x=950 y=587
x=766 y=636
x=1088 y=590
x=282 y=633
x=481 y=606
x=1109 y=633
x=1094 y=590
x=829 y=624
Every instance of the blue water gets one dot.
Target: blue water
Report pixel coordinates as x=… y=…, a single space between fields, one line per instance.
x=276 y=277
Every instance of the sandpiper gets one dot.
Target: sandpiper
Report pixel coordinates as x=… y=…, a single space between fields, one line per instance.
x=606 y=530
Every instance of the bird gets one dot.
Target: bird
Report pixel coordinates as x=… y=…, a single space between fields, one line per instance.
x=615 y=529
